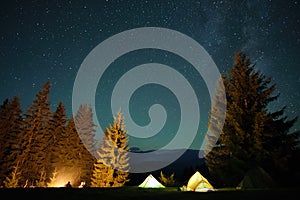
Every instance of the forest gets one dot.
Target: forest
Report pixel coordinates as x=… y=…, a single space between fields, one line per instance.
x=44 y=148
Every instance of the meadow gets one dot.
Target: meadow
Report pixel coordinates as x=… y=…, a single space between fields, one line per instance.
x=133 y=192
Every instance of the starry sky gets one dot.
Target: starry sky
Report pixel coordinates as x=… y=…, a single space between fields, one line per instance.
x=48 y=40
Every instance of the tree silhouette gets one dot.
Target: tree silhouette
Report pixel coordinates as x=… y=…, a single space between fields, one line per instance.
x=57 y=126
x=86 y=130
x=36 y=137
x=85 y=126
x=252 y=135
x=10 y=128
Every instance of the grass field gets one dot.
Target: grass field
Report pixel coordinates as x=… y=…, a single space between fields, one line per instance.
x=143 y=194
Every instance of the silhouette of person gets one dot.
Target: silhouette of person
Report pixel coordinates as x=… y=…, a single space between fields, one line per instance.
x=68 y=185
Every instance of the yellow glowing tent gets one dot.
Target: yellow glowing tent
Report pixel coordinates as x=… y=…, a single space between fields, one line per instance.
x=199 y=183
x=151 y=182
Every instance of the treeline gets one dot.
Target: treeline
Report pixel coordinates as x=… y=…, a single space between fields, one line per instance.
x=41 y=148
x=38 y=143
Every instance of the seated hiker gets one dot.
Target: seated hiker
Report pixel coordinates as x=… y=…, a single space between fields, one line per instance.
x=68 y=185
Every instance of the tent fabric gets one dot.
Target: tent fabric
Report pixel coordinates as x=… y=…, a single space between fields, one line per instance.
x=199 y=183
x=151 y=182
x=256 y=177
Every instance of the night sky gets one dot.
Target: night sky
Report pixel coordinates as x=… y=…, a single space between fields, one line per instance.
x=49 y=40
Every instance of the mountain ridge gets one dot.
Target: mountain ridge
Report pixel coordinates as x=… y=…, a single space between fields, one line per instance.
x=183 y=167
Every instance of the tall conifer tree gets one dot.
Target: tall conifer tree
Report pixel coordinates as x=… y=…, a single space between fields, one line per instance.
x=36 y=138
x=252 y=135
x=112 y=167
x=57 y=126
x=85 y=126
x=86 y=130
x=10 y=128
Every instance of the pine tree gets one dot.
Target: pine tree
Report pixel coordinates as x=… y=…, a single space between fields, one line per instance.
x=57 y=126
x=86 y=127
x=252 y=135
x=10 y=128
x=112 y=166
x=86 y=130
x=36 y=137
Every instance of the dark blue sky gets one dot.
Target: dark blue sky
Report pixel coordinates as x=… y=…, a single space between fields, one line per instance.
x=43 y=40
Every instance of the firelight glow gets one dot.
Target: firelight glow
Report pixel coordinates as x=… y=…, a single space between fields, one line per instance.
x=63 y=176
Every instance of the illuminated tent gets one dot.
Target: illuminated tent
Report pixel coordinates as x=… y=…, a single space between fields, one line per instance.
x=151 y=182
x=199 y=183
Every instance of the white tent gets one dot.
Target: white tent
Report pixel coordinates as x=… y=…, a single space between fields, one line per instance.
x=199 y=183
x=151 y=182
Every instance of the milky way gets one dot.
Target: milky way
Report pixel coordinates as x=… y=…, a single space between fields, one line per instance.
x=43 y=40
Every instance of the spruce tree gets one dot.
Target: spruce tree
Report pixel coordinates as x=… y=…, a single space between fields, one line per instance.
x=58 y=126
x=112 y=166
x=36 y=137
x=252 y=135
x=86 y=130
x=10 y=128
x=85 y=126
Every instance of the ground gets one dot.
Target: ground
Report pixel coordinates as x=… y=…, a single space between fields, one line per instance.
x=133 y=193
